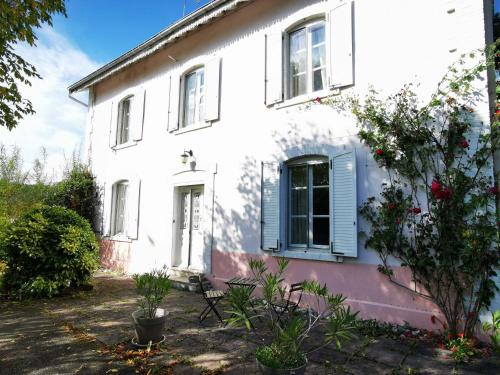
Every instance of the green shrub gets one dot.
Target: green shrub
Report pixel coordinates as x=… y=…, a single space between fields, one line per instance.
x=77 y=191
x=48 y=249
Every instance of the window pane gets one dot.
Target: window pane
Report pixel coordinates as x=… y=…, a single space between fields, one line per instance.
x=321 y=201
x=321 y=231
x=318 y=34
x=298 y=176
x=298 y=231
x=320 y=174
x=299 y=202
x=297 y=41
x=120 y=201
x=319 y=56
x=299 y=85
x=189 y=99
x=124 y=120
x=319 y=79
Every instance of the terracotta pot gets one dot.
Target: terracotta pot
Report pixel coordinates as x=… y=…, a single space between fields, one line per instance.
x=264 y=370
x=149 y=329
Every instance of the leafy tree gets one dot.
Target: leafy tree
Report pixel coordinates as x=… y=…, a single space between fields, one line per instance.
x=11 y=165
x=437 y=213
x=17 y=22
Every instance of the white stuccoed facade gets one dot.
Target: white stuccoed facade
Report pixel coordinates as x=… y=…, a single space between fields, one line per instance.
x=394 y=42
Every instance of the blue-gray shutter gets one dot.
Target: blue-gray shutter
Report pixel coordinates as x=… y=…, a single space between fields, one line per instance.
x=133 y=208
x=138 y=107
x=274 y=68
x=270 y=206
x=173 y=103
x=341 y=44
x=344 y=229
x=212 y=90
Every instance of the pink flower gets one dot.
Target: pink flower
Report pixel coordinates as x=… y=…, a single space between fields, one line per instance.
x=317 y=100
x=379 y=152
x=435 y=187
x=460 y=335
x=464 y=143
x=416 y=210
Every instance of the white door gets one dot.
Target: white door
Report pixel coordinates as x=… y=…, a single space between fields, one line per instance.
x=190 y=228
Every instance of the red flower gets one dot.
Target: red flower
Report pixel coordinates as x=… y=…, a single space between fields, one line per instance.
x=446 y=193
x=464 y=143
x=433 y=319
x=317 y=100
x=497 y=112
x=379 y=152
x=416 y=210
x=460 y=335
x=435 y=187
x=493 y=190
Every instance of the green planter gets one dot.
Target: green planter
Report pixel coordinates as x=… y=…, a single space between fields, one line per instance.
x=149 y=329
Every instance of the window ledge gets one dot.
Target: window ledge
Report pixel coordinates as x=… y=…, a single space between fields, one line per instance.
x=197 y=126
x=310 y=254
x=302 y=99
x=120 y=238
x=125 y=145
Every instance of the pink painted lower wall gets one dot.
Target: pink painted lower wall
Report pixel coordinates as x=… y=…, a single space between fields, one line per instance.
x=367 y=290
x=115 y=255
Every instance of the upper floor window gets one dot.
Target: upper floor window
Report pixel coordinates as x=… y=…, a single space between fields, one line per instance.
x=124 y=121
x=118 y=215
x=307 y=59
x=309 y=203
x=194 y=97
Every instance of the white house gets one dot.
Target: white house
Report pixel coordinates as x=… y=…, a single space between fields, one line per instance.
x=268 y=171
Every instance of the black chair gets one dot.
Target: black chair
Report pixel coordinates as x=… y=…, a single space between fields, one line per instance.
x=212 y=297
x=288 y=306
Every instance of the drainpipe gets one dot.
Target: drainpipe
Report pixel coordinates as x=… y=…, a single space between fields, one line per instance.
x=78 y=100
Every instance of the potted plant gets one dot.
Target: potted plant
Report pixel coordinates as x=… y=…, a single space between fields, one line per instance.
x=149 y=320
x=284 y=350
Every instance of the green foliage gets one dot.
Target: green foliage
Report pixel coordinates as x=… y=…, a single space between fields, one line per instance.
x=286 y=349
x=77 y=191
x=437 y=213
x=461 y=348
x=153 y=287
x=18 y=21
x=493 y=330
x=48 y=249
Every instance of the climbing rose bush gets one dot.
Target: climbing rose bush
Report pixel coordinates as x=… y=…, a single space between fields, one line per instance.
x=437 y=212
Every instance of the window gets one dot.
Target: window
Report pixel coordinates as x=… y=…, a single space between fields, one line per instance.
x=309 y=204
x=118 y=220
x=307 y=59
x=123 y=130
x=194 y=97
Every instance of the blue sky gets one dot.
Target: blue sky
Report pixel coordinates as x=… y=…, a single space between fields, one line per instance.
x=105 y=29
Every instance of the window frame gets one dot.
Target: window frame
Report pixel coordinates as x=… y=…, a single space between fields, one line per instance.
x=120 y=125
x=308 y=161
x=288 y=75
x=199 y=117
x=114 y=209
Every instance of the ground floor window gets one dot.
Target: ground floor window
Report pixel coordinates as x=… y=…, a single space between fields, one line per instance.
x=309 y=203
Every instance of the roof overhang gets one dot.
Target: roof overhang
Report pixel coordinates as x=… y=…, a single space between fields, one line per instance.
x=206 y=14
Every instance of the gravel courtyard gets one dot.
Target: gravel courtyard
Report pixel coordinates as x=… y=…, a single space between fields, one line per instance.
x=90 y=332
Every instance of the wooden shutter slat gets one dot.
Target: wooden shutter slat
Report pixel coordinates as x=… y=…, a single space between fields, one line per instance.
x=270 y=191
x=173 y=103
x=138 y=107
x=341 y=44
x=274 y=68
x=133 y=204
x=212 y=71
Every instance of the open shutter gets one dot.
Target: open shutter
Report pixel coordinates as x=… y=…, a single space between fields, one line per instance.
x=138 y=107
x=113 y=123
x=274 y=68
x=270 y=206
x=341 y=44
x=173 y=103
x=132 y=206
x=212 y=90
x=344 y=210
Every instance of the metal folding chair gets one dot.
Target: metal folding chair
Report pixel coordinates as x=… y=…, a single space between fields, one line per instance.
x=289 y=306
x=212 y=297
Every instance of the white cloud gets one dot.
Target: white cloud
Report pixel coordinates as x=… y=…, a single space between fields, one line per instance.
x=59 y=122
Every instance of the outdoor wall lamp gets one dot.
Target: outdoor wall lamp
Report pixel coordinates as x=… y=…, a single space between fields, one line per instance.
x=186 y=155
